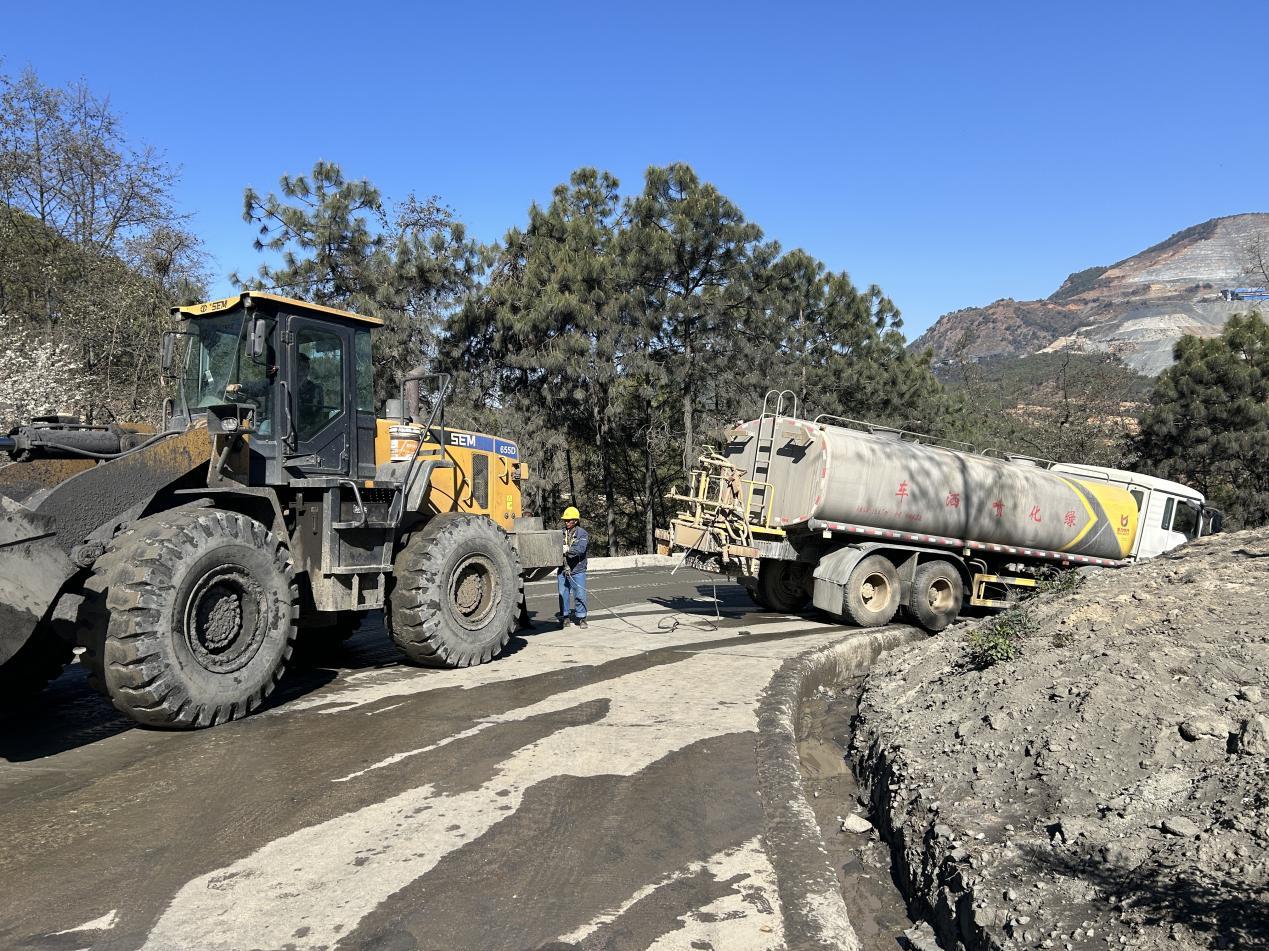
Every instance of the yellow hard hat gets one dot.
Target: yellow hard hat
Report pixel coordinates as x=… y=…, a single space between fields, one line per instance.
x=571 y=513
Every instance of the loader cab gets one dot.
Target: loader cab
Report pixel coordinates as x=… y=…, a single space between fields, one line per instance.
x=296 y=377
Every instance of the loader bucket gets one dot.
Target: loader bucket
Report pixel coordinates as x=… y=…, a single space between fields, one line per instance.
x=32 y=571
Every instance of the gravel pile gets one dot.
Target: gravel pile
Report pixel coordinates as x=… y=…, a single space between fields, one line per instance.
x=1107 y=788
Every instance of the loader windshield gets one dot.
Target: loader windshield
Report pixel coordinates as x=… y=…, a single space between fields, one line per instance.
x=219 y=367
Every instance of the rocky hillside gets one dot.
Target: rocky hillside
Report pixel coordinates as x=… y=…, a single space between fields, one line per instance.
x=1135 y=309
x=1107 y=788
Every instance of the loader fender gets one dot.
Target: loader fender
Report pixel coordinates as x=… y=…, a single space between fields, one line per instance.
x=32 y=571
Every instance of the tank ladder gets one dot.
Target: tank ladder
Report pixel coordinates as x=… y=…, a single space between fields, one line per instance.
x=776 y=405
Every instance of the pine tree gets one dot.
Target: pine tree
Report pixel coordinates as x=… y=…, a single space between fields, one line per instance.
x=556 y=321
x=340 y=246
x=1207 y=423
x=697 y=268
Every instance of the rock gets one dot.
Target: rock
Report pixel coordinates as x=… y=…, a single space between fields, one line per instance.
x=856 y=824
x=1179 y=825
x=920 y=937
x=1201 y=725
x=1251 y=694
x=1253 y=738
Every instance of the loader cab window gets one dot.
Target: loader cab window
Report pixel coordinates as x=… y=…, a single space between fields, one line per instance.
x=365 y=369
x=319 y=376
x=219 y=367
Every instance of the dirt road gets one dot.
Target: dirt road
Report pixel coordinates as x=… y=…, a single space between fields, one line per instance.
x=593 y=789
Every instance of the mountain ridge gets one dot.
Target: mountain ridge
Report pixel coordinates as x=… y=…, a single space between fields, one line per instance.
x=1135 y=309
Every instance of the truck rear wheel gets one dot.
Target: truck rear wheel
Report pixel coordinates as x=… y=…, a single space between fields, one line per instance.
x=40 y=660
x=784 y=585
x=456 y=592
x=202 y=606
x=872 y=592
x=937 y=592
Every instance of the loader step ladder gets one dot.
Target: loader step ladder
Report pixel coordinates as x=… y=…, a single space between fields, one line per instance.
x=776 y=405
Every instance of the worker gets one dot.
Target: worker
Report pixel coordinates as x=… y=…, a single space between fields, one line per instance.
x=571 y=580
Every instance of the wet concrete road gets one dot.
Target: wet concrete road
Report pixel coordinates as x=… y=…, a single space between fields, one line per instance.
x=591 y=789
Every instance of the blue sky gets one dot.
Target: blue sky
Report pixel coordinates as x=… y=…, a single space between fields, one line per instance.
x=952 y=153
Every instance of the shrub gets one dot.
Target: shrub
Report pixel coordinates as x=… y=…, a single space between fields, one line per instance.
x=1000 y=638
x=1055 y=581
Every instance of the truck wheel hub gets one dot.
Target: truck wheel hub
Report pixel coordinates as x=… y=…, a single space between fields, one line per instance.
x=875 y=591
x=223 y=619
x=940 y=595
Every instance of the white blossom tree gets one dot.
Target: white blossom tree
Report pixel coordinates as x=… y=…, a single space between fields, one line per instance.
x=37 y=376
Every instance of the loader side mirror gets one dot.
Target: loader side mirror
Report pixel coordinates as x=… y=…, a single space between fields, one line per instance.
x=259 y=338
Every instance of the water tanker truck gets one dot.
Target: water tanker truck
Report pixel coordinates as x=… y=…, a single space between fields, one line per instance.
x=865 y=521
x=273 y=506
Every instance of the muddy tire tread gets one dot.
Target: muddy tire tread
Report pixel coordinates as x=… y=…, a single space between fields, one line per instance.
x=416 y=617
x=139 y=576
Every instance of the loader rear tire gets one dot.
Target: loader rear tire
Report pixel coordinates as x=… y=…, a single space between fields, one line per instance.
x=784 y=585
x=456 y=592
x=872 y=592
x=937 y=592
x=40 y=660
x=203 y=607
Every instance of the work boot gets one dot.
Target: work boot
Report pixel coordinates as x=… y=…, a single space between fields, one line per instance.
x=565 y=622
x=581 y=622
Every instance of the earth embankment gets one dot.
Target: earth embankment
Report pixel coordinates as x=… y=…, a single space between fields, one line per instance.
x=1109 y=786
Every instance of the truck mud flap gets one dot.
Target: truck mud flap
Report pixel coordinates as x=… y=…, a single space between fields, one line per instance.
x=32 y=571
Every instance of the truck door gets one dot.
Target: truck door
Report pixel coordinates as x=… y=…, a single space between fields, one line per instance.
x=320 y=367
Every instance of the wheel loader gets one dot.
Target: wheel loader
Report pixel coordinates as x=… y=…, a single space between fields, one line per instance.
x=273 y=505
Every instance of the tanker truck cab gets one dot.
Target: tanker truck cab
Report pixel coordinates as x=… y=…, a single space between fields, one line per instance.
x=1169 y=513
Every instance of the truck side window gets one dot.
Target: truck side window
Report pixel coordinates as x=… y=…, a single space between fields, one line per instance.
x=1138 y=497
x=365 y=370
x=1186 y=521
x=1166 y=522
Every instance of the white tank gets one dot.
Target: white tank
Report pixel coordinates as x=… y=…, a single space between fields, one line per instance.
x=877 y=480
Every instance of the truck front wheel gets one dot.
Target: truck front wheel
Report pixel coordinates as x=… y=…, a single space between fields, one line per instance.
x=937 y=592
x=456 y=592
x=784 y=585
x=202 y=608
x=872 y=592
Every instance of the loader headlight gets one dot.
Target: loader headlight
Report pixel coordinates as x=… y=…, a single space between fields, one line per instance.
x=229 y=424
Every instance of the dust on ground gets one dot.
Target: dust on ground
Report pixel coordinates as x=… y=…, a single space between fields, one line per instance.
x=1109 y=787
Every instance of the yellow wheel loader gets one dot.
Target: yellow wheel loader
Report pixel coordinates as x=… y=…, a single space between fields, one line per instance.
x=273 y=505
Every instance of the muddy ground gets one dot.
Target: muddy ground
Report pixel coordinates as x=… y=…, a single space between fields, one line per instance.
x=1107 y=788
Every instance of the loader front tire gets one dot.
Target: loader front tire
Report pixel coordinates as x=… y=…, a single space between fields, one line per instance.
x=456 y=592
x=203 y=607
